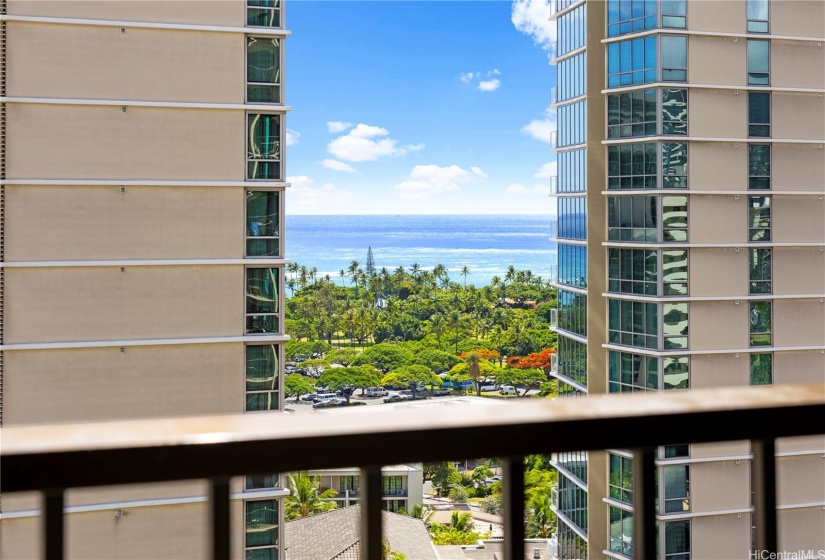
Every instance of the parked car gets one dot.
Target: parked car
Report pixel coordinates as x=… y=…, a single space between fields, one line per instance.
x=489 y=386
x=376 y=392
x=492 y=480
x=440 y=392
x=508 y=390
x=330 y=403
x=396 y=398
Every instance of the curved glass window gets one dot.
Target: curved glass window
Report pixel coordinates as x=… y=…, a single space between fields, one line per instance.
x=632 y=271
x=262 y=374
x=263 y=70
x=262 y=224
x=263 y=147
x=632 y=218
x=674 y=219
x=263 y=13
x=631 y=62
x=675 y=272
x=674 y=165
x=262 y=300
x=631 y=114
x=633 y=323
x=675 y=325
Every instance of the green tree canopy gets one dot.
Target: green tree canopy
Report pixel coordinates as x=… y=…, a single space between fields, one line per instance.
x=348 y=379
x=298 y=350
x=412 y=377
x=385 y=357
x=524 y=379
x=437 y=360
x=316 y=366
x=343 y=356
x=296 y=385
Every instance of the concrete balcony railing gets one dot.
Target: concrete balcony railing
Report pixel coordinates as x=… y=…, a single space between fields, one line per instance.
x=399 y=493
x=52 y=459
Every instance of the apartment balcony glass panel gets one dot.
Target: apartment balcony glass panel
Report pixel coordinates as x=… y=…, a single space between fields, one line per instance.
x=633 y=323
x=572 y=312
x=571 y=77
x=572 y=267
x=632 y=114
x=572 y=166
x=572 y=123
x=632 y=62
x=633 y=16
x=571 y=221
x=573 y=503
x=566 y=390
x=572 y=30
x=575 y=462
x=677 y=488
x=571 y=546
x=572 y=361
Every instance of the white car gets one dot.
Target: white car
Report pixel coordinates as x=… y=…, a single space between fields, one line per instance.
x=376 y=392
x=508 y=390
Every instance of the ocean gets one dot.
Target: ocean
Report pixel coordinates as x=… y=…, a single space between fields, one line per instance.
x=486 y=244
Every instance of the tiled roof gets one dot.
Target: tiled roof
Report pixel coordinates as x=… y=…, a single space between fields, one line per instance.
x=335 y=535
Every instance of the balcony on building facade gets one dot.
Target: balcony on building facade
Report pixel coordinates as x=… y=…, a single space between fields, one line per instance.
x=52 y=459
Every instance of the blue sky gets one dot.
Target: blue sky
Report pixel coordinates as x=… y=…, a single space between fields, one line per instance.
x=423 y=107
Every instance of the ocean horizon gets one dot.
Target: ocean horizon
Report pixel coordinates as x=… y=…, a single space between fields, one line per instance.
x=487 y=243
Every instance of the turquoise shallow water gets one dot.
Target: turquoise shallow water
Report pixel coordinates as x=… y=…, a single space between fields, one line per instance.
x=487 y=244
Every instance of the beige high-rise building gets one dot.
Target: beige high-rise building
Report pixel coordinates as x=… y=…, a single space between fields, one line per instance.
x=691 y=251
x=142 y=246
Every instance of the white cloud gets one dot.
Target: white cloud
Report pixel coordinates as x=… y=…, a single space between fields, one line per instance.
x=302 y=195
x=367 y=143
x=532 y=17
x=482 y=84
x=520 y=190
x=489 y=85
x=426 y=180
x=547 y=170
x=414 y=147
x=336 y=165
x=542 y=129
x=338 y=126
x=292 y=137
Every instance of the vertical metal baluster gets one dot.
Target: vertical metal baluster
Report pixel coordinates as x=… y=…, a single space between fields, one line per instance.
x=764 y=496
x=513 y=487
x=219 y=518
x=372 y=537
x=644 y=504
x=53 y=527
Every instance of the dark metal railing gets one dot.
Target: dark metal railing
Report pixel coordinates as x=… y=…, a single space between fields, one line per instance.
x=51 y=459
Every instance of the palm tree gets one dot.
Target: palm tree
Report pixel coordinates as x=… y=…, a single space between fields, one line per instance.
x=473 y=370
x=464 y=272
x=304 y=498
x=415 y=269
x=343 y=274
x=540 y=518
x=462 y=521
